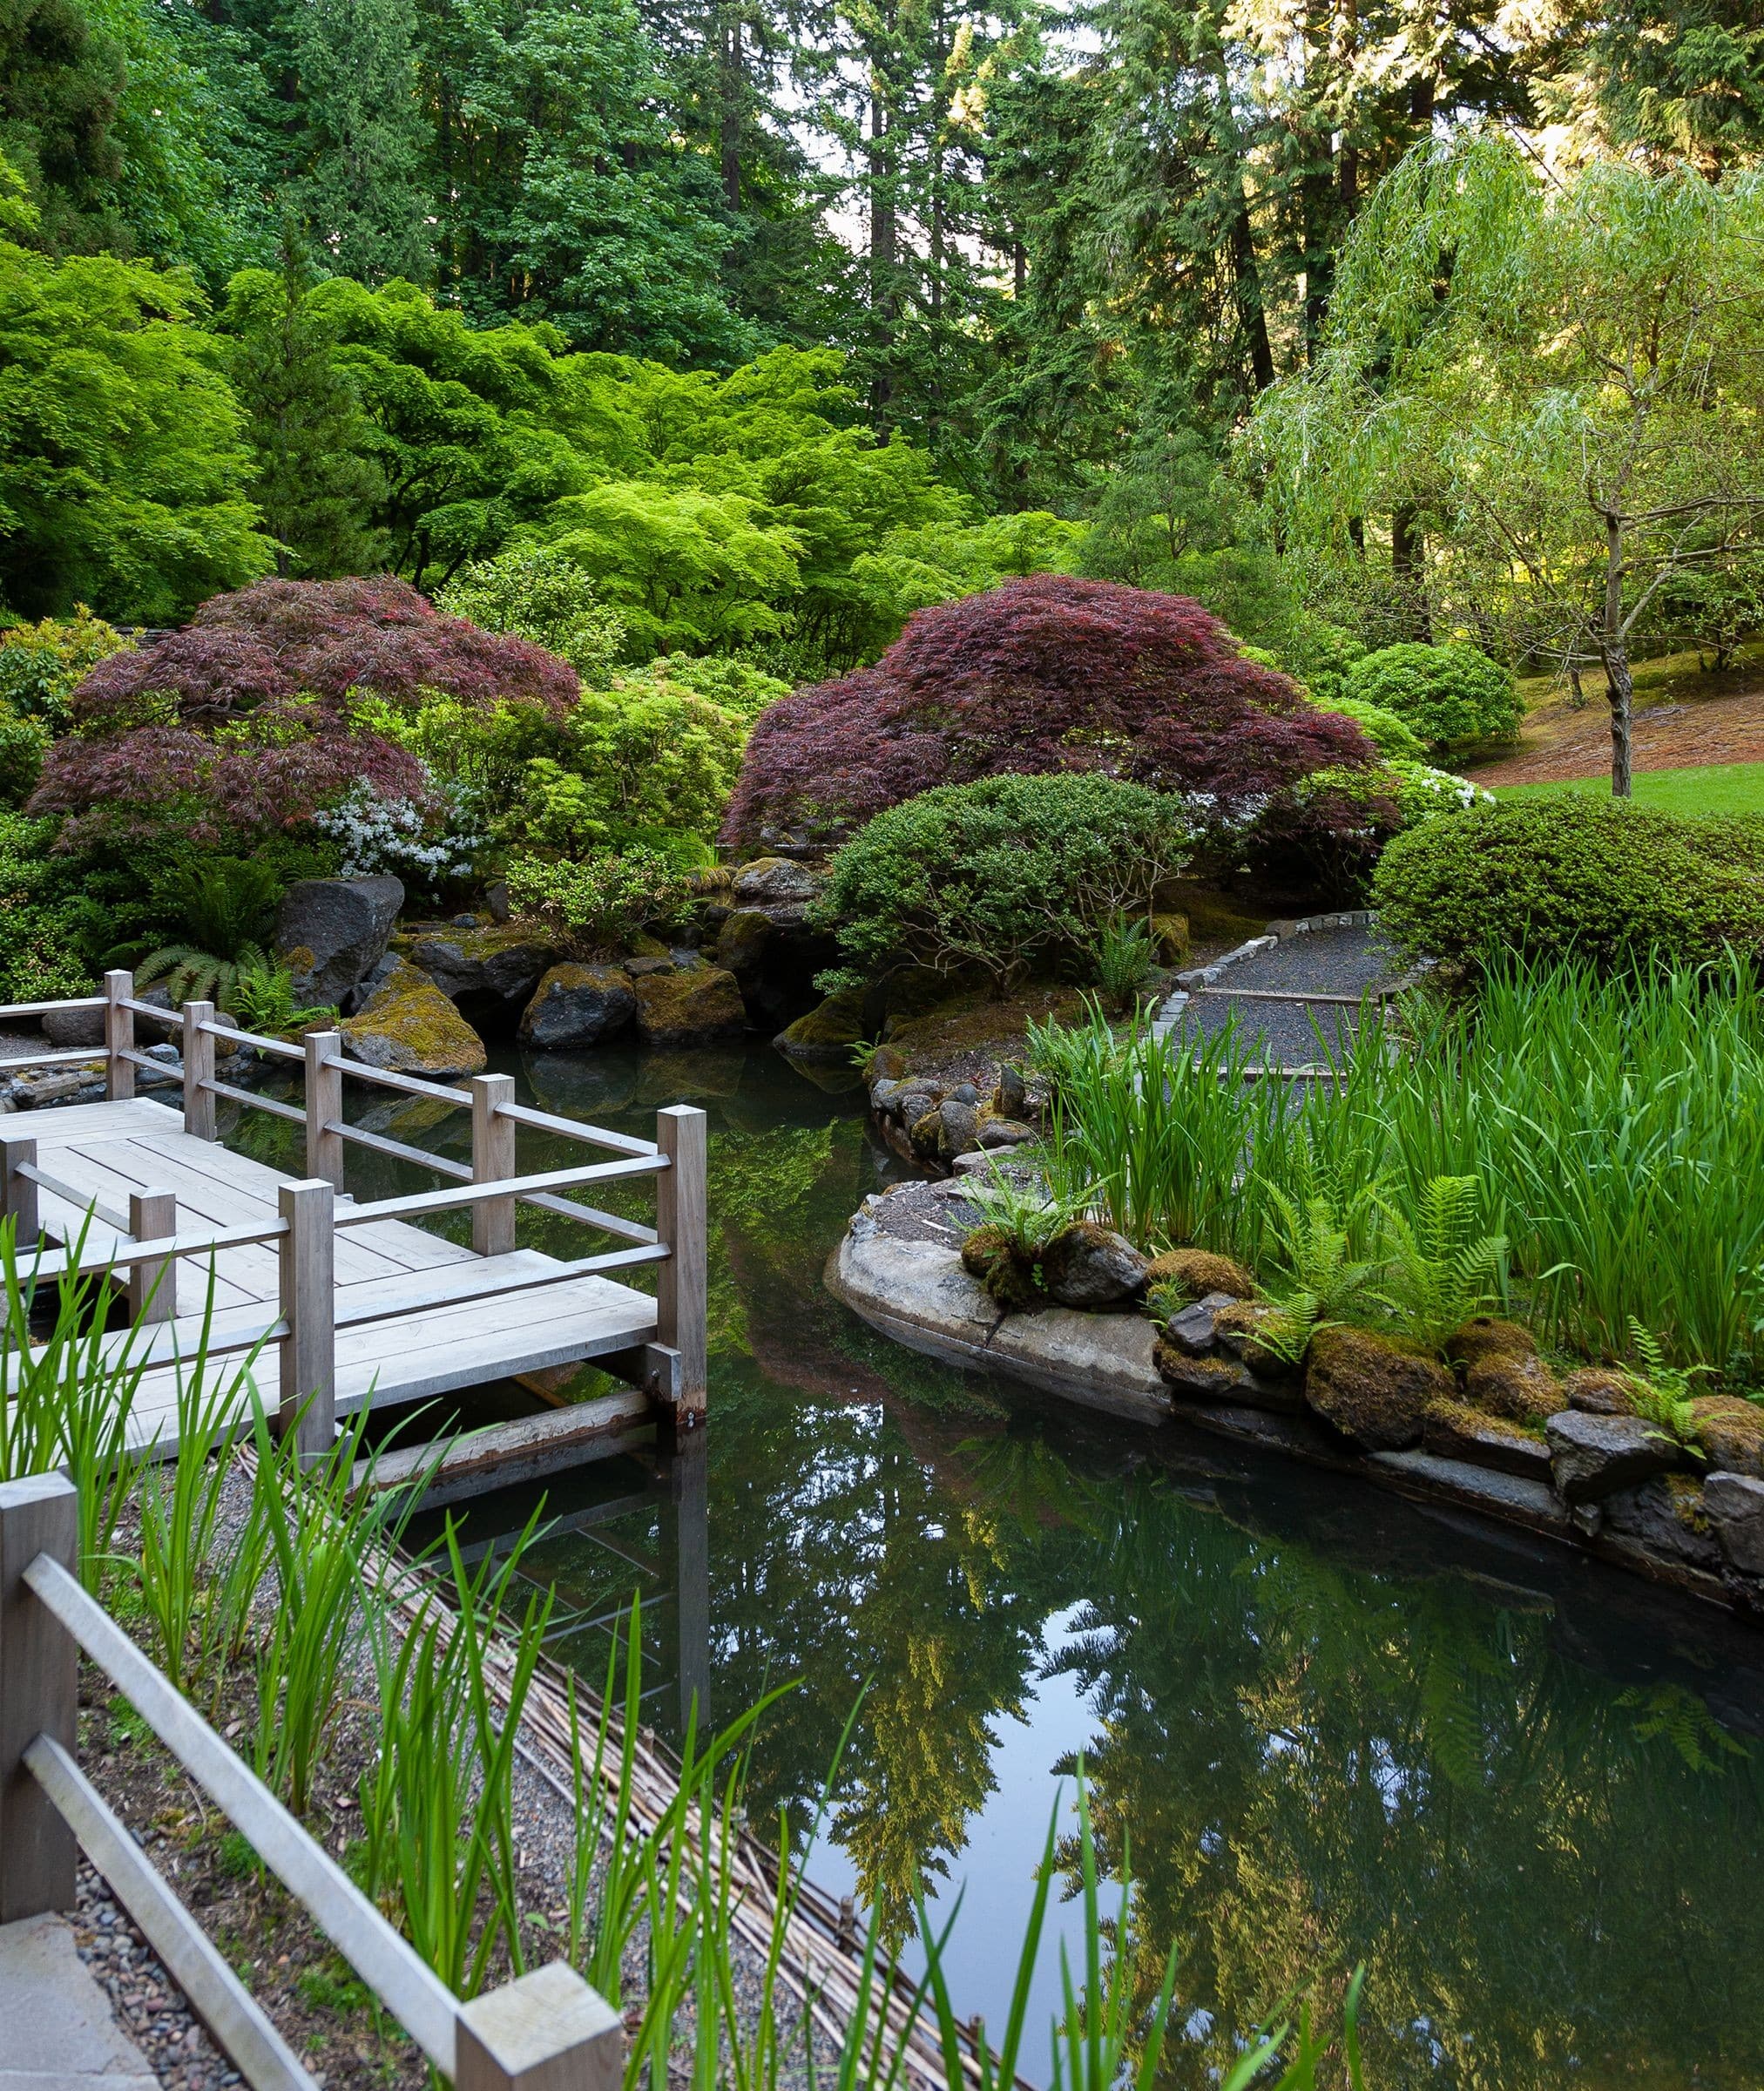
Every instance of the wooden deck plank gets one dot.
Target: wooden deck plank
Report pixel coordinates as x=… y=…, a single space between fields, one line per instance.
x=109 y=1170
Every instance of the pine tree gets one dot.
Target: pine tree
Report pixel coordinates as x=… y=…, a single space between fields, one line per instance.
x=363 y=140
x=316 y=489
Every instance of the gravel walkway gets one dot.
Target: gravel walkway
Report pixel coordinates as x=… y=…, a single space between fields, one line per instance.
x=1286 y=1034
x=147 y=2004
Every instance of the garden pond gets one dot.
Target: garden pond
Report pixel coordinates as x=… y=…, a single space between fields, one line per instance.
x=1526 y=1791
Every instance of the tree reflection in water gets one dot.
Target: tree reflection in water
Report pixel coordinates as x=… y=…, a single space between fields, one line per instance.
x=1334 y=1728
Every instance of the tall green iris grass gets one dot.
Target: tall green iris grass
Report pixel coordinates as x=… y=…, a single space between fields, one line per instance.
x=1614 y=1130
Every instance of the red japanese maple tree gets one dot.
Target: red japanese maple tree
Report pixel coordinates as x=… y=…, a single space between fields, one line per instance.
x=1046 y=674
x=243 y=722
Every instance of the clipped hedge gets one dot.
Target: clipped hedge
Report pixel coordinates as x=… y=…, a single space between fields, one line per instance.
x=1452 y=696
x=1011 y=875
x=1612 y=882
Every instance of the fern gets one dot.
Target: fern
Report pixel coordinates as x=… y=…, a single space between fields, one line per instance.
x=263 y=998
x=1442 y=1269
x=1025 y=1211
x=188 y=973
x=1662 y=1392
x=223 y=904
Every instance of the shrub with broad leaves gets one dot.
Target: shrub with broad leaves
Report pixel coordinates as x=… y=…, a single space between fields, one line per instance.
x=1006 y=876
x=1047 y=673
x=1453 y=696
x=603 y=900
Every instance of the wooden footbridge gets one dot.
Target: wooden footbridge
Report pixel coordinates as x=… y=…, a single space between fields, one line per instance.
x=353 y=1303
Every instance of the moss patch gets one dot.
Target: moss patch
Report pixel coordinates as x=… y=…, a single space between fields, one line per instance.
x=828 y=1032
x=1731 y=1430
x=1170 y=934
x=1200 y=1378
x=1599 y=1391
x=1489 y=1336
x=1371 y=1390
x=990 y=1255
x=1193 y=1273
x=1519 y=1387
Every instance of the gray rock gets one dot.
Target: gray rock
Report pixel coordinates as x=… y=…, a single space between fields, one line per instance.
x=67 y=1028
x=885 y=1096
x=1650 y=1514
x=1516 y=1497
x=684 y=959
x=780 y=887
x=1011 y=1097
x=965 y=1092
x=575 y=1007
x=1733 y=1503
x=1089 y=1266
x=1191 y=1331
x=492 y=971
x=961 y=1131
x=334 y=931
x=913 y=1100
x=1593 y=1456
x=637 y=968
x=1006 y=1132
x=1451 y=1431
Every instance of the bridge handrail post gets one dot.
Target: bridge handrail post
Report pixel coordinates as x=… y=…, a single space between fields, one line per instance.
x=199 y=1071
x=324 y=1101
x=18 y=1194
x=152 y=1287
x=682 y=1222
x=547 y=2031
x=39 y=1684
x=492 y=1159
x=120 y=1035
x=307 y=1261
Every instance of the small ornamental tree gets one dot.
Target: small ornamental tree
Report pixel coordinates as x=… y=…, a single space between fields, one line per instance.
x=1047 y=673
x=252 y=719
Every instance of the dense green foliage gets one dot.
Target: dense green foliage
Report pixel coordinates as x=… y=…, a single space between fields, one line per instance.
x=1609 y=1130
x=1004 y=875
x=1451 y=696
x=1617 y=885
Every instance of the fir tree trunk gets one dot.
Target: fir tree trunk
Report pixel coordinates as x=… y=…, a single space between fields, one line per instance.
x=731 y=83
x=1613 y=651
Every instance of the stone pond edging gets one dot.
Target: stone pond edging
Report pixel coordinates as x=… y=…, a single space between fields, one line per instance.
x=1604 y=1484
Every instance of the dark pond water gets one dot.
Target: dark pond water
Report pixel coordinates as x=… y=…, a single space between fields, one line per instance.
x=1526 y=1791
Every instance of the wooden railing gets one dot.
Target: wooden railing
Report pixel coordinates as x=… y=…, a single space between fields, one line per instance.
x=147 y=1244
x=547 y=2031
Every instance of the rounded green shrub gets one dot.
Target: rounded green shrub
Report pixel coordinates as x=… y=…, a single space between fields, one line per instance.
x=1388 y=731
x=1453 y=696
x=1611 y=882
x=1009 y=874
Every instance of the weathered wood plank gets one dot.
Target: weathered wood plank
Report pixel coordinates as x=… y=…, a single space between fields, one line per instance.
x=506 y=1452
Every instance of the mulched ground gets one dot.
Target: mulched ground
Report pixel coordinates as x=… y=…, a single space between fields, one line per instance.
x=1687 y=733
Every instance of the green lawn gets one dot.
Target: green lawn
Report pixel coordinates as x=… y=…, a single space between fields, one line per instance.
x=1719 y=787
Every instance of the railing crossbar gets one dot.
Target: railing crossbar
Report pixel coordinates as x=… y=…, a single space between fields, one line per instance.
x=387 y=1963
x=389 y=1078
x=57 y=1187
x=611 y=1223
x=58 y=1263
x=172 y=1017
x=253 y=1101
x=398 y=1149
x=43 y=1008
x=504 y=1186
x=277 y=1048
x=66 y=1056
x=574 y=1128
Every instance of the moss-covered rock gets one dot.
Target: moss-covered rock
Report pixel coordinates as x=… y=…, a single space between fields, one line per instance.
x=490 y=970
x=577 y=1006
x=645 y=946
x=990 y=1255
x=1731 y=1430
x=407 y=1023
x=1452 y=1430
x=1486 y=1336
x=1516 y=1385
x=1371 y=1389
x=1195 y=1272
x=1600 y=1390
x=676 y=1008
x=887 y=1064
x=1205 y=1380
x=1170 y=935
x=743 y=941
x=1239 y=1331
x=828 y=1031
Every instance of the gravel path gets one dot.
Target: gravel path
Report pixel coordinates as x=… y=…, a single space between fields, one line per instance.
x=148 y=2005
x=1285 y=1034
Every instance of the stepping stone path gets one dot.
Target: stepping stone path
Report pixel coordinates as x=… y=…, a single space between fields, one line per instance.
x=1344 y=958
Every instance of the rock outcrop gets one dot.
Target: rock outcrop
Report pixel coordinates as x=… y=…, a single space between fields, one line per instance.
x=407 y=1022
x=577 y=1006
x=331 y=933
x=488 y=971
x=688 y=1008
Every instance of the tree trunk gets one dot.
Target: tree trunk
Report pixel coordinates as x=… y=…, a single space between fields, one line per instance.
x=730 y=67
x=1407 y=550
x=1613 y=651
x=882 y=251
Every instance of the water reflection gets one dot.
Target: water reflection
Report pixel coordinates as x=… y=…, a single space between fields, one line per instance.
x=1334 y=1727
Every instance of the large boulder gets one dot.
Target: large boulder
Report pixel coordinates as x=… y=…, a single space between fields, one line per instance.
x=1731 y=1431
x=828 y=1032
x=1197 y=1272
x=407 y=1022
x=1519 y=1387
x=332 y=932
x=779 y=887
x=1667 y=1517
x=1454 y=1430
x=1733 y=1505
x=488 y=971
x=691 y=1008
x=1373 y=1391
x=575 y=1007
x=1592 y=1457
x=1089 y=1266
x=69 y=1028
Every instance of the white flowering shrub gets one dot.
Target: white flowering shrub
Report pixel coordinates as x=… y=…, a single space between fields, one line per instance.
x=404 y=836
